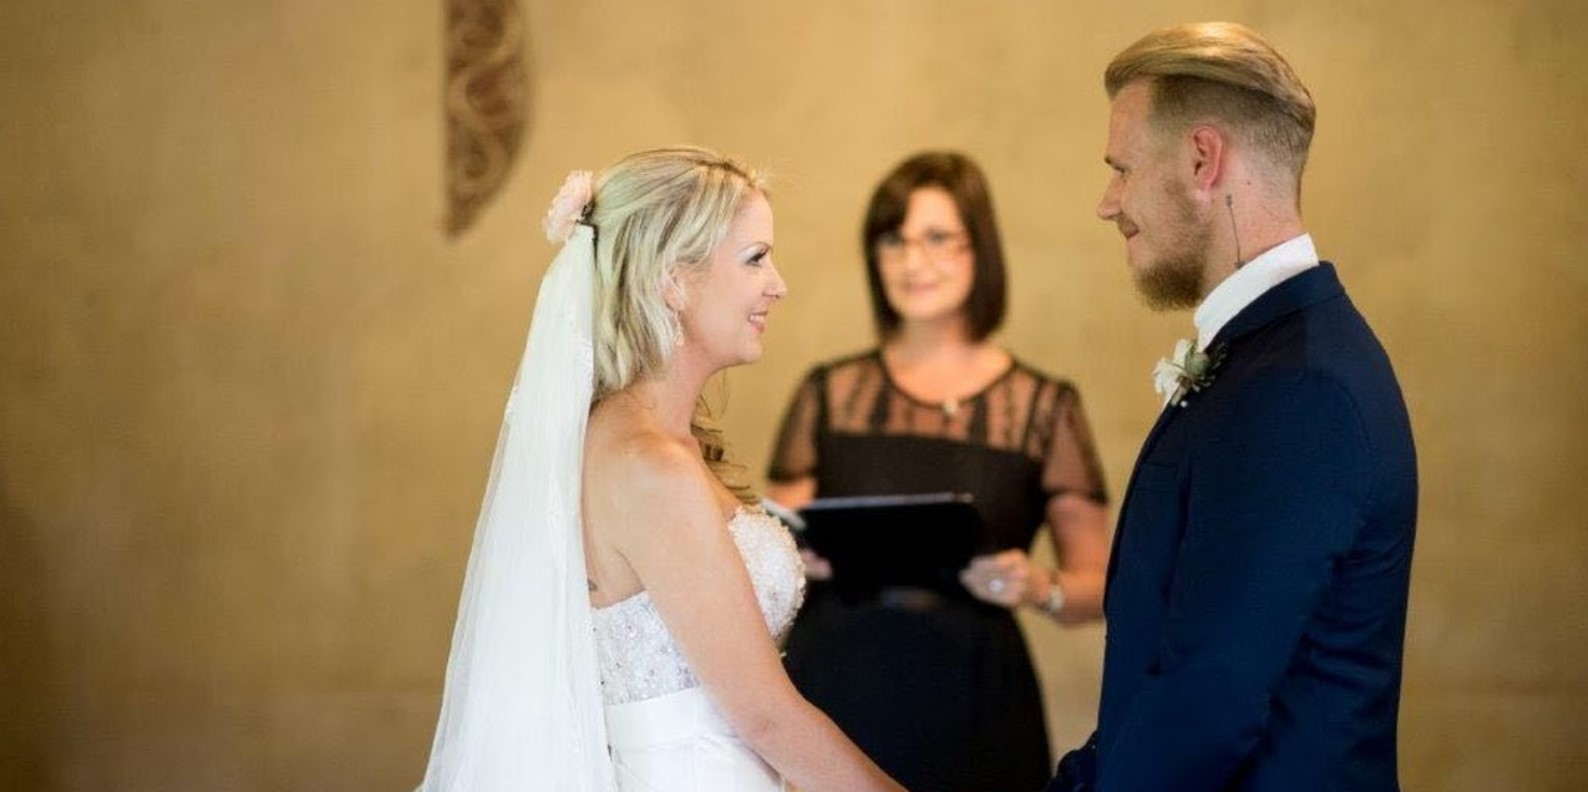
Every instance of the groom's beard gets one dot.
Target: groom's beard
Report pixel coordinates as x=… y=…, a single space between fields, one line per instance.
x=1175 y=279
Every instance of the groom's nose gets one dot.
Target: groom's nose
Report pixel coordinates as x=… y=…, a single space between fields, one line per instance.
x=1108 y=205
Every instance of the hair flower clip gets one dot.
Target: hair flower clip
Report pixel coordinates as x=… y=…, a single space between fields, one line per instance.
x=569 y=206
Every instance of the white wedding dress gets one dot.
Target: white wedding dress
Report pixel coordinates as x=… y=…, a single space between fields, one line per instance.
x=664 y=733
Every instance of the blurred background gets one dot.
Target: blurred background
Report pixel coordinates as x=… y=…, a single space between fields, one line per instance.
x=250 y=384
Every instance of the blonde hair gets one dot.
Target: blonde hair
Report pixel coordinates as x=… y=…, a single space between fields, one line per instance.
x=658 y=215
x=1226 y=71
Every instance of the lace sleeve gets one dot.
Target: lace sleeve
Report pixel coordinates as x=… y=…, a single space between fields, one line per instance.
x=1070 y=461
x=794 y=457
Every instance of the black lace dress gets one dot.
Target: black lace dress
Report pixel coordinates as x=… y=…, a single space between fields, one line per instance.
x=939 y=691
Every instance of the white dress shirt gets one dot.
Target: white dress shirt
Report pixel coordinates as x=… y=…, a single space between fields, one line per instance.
x=1282 y=262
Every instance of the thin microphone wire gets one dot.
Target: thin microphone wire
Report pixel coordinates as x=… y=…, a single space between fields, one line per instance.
x=1229 y=203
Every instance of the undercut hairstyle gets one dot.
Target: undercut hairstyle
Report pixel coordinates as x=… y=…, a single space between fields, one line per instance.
x=1225 y=72
x=962 y=179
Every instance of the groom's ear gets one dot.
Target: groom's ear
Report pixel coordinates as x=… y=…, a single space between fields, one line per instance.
x=1208 y=151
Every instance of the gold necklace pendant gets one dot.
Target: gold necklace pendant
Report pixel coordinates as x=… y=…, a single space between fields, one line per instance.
x=951 y=407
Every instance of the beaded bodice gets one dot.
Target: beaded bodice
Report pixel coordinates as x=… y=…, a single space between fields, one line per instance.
x=640 y=660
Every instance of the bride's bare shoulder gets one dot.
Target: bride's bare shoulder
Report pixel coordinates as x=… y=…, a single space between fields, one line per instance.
x=629 y=458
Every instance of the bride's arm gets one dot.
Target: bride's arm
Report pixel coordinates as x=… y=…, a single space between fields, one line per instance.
x=669 y=526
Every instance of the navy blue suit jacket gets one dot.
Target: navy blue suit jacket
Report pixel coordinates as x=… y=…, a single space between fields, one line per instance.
x=1256 y=600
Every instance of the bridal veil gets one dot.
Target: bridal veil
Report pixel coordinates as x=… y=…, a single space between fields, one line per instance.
x=522 y=706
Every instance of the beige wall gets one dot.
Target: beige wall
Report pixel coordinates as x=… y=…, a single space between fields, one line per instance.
x=248 y=391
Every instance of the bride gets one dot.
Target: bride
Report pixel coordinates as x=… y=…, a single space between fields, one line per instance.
x=624 y=598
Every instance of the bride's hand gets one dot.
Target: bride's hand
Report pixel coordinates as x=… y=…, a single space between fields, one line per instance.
x=1007 y=579
x=816 y=567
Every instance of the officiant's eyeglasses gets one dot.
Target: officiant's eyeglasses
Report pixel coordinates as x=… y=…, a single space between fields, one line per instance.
x=936 y=245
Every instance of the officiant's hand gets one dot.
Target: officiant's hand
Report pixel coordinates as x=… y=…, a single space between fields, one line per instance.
x=1008 y=579
x=816 y=567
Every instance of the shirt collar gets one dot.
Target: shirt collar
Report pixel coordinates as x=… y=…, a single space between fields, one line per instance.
x=1290 y=258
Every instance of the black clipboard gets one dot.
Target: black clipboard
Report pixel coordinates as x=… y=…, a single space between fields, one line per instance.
x=875 y=542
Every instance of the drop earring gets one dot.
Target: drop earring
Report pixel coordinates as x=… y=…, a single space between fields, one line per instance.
x=676 y=327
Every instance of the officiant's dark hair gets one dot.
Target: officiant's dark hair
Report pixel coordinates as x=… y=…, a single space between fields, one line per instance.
x=961 y=178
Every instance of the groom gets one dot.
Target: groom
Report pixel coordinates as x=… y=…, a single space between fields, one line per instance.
x=1256 y=598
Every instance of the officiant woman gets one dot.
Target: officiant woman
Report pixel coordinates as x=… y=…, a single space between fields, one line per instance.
x=938 y=686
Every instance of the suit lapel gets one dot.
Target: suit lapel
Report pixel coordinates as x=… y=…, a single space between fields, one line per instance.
x=1308 y=288
x=1165 y=417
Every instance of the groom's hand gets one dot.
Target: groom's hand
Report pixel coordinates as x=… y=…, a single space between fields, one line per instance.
x=1077 y=771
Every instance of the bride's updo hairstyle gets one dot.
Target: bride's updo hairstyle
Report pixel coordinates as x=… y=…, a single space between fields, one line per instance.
x=658 y=214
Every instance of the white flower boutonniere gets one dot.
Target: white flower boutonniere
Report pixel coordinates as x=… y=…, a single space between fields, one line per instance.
x=1185 y=372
